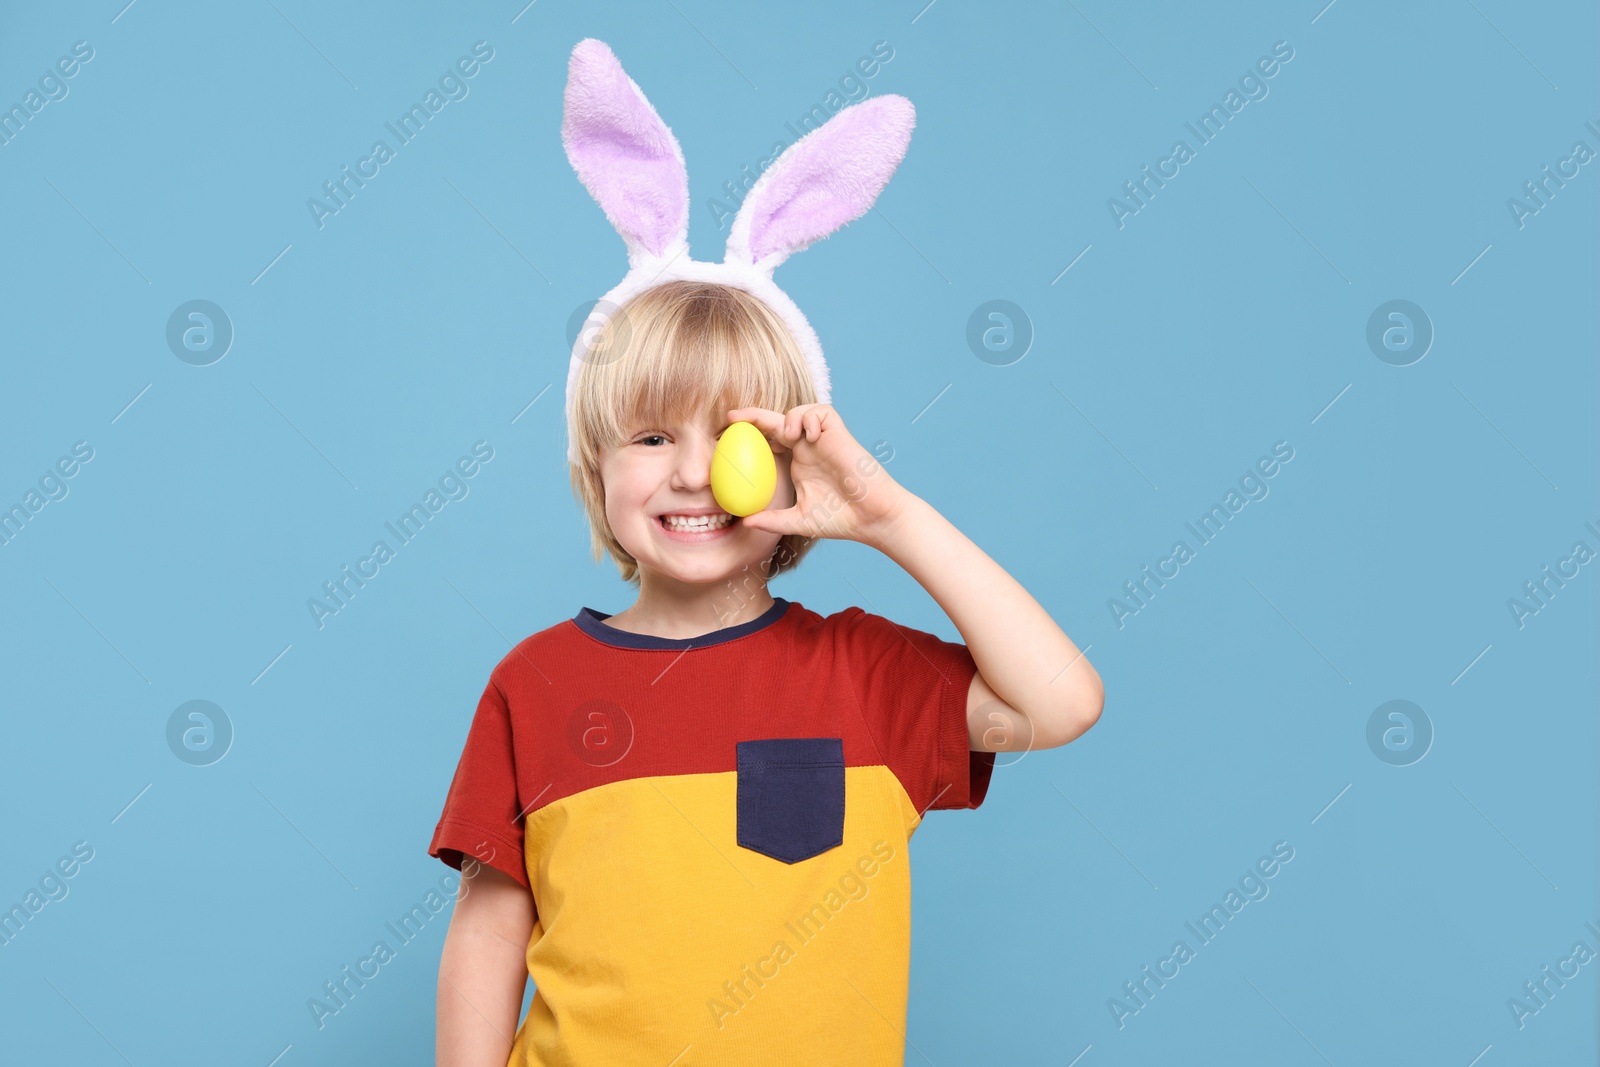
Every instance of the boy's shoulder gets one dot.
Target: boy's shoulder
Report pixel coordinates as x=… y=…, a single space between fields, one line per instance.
x=555 y=638
x=860 y=635
x=854 y=623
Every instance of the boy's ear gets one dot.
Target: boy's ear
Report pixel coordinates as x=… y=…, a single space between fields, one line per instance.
x=624 y=154
x=826 y=179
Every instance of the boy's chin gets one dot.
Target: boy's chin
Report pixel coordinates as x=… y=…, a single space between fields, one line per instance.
x=727 y=567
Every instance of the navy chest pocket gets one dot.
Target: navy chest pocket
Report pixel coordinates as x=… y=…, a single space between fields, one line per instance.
x=791 y=796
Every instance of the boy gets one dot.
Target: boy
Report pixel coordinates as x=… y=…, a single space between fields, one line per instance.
x=688 y=821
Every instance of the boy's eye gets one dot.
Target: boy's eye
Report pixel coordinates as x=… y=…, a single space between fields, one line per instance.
x=651 y=437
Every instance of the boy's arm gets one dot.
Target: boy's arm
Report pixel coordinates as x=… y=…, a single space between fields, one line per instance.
x=483 y=970
x=1033 y=689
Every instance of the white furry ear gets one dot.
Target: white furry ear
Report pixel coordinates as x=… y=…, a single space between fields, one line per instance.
x=826 y=179
x=624 y=154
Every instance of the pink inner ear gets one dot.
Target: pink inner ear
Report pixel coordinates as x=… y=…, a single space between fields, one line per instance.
x=830 y=176
x=624 y=154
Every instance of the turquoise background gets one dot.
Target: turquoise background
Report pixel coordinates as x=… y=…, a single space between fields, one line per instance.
x=1230 y=313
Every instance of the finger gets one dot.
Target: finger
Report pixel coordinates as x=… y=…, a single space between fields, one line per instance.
x=778 y=521
x=770 y=423
x=762 y=418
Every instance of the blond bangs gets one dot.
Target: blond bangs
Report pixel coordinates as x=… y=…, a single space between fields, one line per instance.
x=684 y=347
x=666 y=355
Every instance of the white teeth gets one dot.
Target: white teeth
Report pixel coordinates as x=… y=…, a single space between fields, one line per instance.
x=698 y=522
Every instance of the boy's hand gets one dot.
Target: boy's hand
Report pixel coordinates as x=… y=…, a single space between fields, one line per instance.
x=840 y=490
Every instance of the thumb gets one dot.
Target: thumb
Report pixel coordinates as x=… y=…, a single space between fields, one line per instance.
x=768 y=521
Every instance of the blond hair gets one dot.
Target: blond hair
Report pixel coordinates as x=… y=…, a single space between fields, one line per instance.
x=670 y=352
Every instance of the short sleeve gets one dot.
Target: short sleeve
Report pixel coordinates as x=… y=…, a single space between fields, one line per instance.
x=482 y=818
x=912 y=690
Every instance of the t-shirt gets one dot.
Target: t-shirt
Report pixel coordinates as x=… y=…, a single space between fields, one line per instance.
x=714 y=830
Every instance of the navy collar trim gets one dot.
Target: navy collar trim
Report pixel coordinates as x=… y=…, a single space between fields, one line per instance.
x=592 y=623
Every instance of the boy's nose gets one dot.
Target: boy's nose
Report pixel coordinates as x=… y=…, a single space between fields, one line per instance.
x=693 y=469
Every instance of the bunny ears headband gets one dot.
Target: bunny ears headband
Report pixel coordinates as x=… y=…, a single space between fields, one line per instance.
x=631 y=164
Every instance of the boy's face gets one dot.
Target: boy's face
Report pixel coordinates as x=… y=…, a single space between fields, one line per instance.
x=665 y=470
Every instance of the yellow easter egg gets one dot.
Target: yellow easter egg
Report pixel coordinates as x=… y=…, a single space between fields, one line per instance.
x=743 y=473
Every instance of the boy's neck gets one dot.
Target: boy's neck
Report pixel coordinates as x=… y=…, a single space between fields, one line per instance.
x=691 y=611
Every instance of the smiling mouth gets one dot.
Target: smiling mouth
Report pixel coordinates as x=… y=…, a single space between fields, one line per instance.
x=696 y=523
